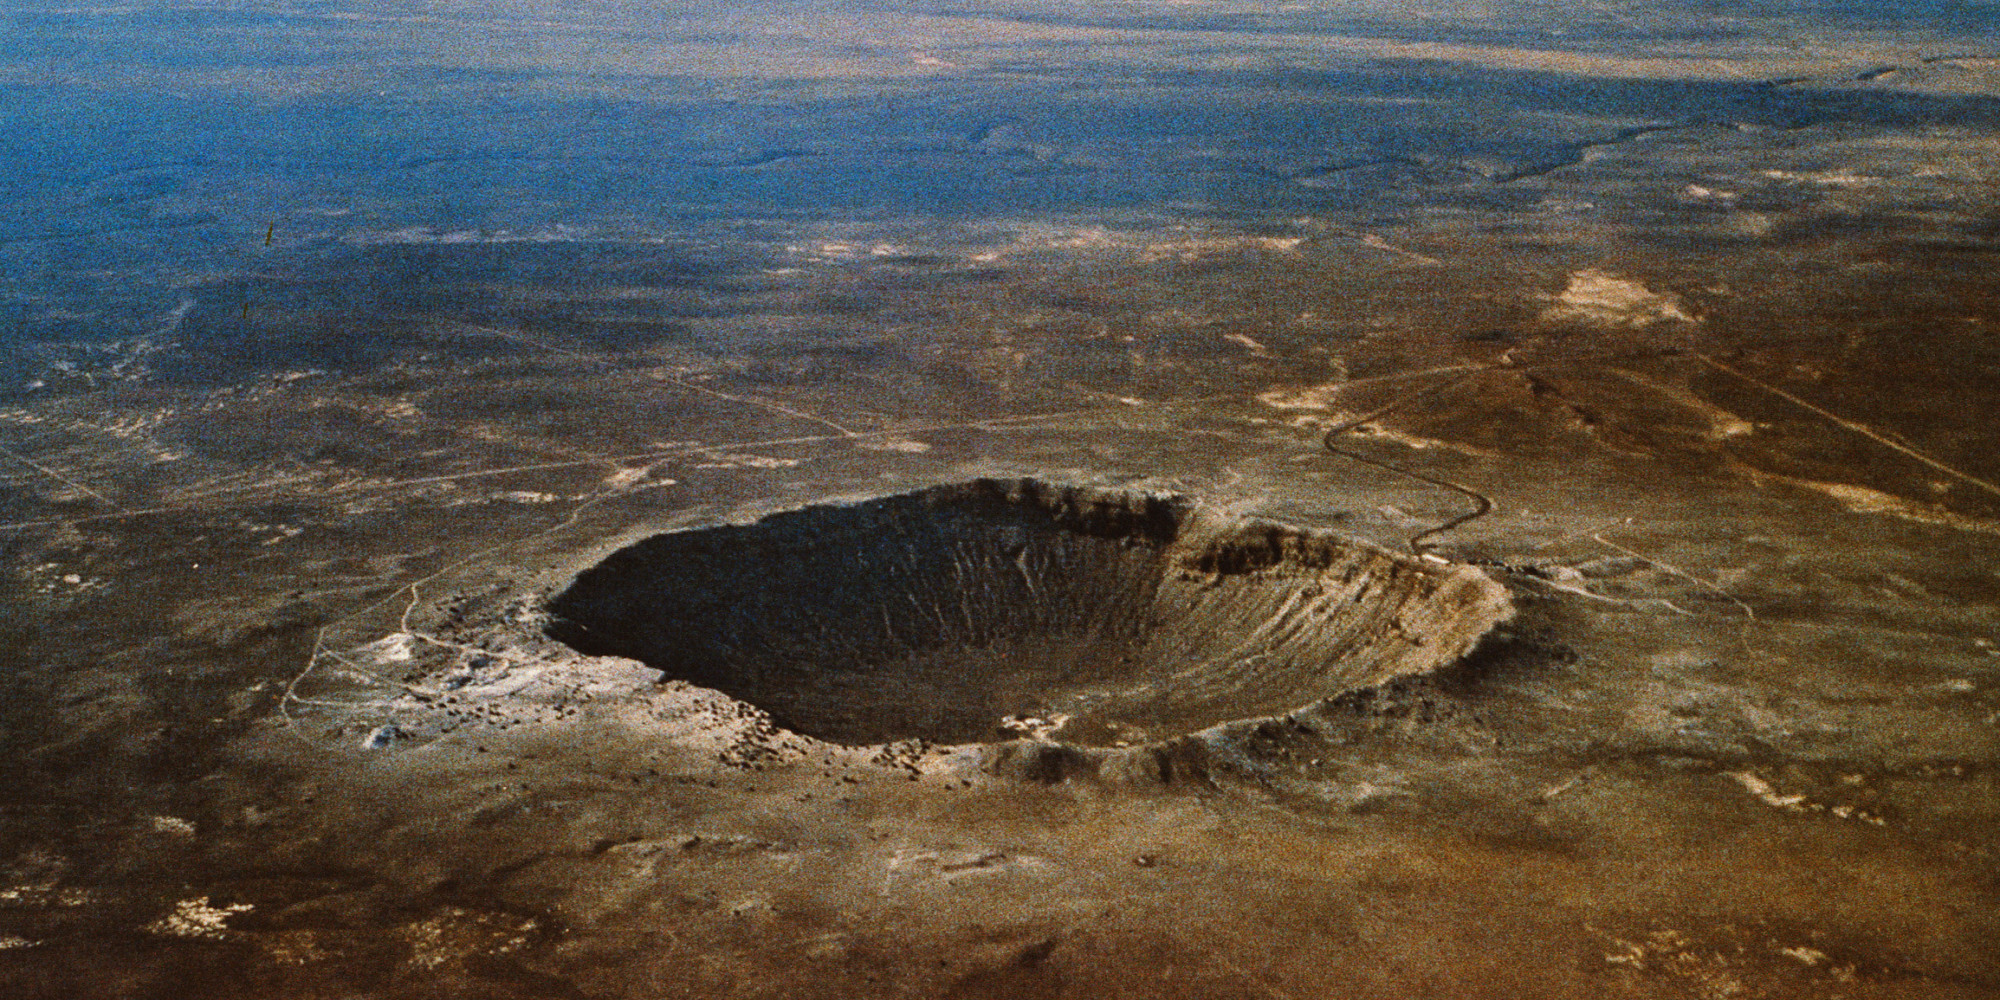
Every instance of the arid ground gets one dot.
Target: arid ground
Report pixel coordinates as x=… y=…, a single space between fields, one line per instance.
x=1361 y=500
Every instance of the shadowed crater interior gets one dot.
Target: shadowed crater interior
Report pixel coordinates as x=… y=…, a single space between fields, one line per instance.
x=994 y=609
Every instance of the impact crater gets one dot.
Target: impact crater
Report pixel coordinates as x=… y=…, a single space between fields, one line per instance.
x=994 y=610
